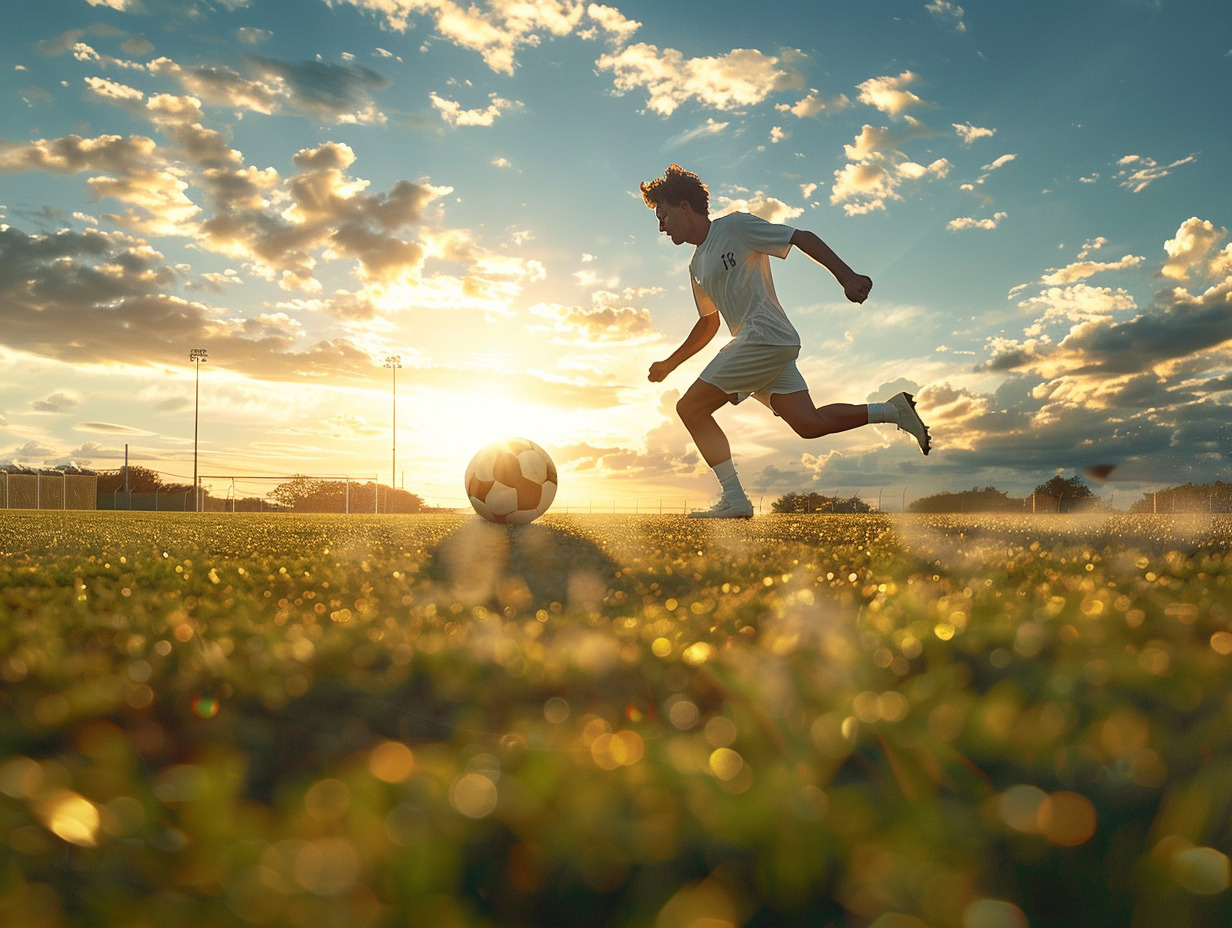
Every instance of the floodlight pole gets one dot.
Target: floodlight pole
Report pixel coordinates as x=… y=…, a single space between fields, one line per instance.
x=393 y=362
x=197 y=356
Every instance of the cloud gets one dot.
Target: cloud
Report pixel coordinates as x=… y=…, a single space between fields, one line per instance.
x=1081 y=270
x=30 y=451
x=453 y=113
x=614 y=23
x=341 y=93
x=69 y=40
x=958 y=225
x=331 y=93
x=866 y=185
x=608 y=319
x=874 y=142
x=249 y=35
x=969 y=133
x=878 y=167
x=814 y=105
x=890 y=94
x=104 y=299
x=72 y=153
x=219 y=86
x=760 y=204
x=1137 y=173
x=57 y=402
x=497 y=33
x=1188 y=250
x=998 y=163
x=947 y=13
x=110 y=428
x=1099 y=380
x=741 y=78
x=275 y=224
x=709 y=127
x=112 y=90
x=667 y=453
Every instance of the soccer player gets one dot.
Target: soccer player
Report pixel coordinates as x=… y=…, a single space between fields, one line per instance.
x=730 y=273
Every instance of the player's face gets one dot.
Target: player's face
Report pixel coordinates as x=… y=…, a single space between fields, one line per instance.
x=672 y=221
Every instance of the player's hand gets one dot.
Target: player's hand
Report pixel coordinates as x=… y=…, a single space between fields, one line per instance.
x=857 y=288
x=659 y=370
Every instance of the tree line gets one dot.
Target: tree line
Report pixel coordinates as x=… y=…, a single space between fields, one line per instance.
x=1058 y=494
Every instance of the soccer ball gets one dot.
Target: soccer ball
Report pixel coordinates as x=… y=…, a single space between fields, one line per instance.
x=511 y=480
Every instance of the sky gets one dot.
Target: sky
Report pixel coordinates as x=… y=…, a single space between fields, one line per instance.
x=305 y=189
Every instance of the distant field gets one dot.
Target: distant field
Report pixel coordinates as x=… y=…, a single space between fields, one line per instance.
x=904 y=722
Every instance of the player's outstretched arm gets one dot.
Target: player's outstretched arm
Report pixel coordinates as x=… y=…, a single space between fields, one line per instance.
x=855 y=286
x=695 y=341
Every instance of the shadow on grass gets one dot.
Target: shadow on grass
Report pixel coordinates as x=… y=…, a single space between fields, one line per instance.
x=522 y=566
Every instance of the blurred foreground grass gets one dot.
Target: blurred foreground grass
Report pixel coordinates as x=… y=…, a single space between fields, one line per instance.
x=614 y=721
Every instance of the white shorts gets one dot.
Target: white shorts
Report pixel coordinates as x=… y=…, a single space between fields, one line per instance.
x=753 y=369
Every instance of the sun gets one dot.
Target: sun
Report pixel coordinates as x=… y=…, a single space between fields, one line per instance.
x=460 y=424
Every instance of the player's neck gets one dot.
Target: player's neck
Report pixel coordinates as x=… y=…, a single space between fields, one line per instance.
x=698 y=230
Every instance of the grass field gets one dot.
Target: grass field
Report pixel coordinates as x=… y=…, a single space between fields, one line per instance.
x=904 y=722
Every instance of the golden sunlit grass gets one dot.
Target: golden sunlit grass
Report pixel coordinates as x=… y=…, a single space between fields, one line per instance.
x=642 y=721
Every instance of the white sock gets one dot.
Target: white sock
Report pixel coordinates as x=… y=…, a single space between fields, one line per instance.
x=882 y=412
x=726 y=472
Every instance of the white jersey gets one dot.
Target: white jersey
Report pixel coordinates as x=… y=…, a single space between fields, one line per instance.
x=730 y=272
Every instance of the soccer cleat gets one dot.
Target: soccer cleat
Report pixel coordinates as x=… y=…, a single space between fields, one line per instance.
x=740 y=508
x=909 y=420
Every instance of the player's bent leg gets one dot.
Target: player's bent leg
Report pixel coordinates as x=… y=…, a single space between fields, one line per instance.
x=809 y=421
x=696 y=410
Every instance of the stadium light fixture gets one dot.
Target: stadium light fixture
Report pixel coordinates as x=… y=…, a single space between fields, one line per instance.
x=197 y=356
x=393 y=362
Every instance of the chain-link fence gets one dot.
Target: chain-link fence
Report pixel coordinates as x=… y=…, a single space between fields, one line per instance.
x=48 y=491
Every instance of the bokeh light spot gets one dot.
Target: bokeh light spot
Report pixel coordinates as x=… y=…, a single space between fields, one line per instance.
x=328 y=867
x=1019 y=807
x=1202 y=870
x=473 y=795
x=72 y=818
x=725 y=763
x=1067 y=819
x=993 y=913
x=391 y=761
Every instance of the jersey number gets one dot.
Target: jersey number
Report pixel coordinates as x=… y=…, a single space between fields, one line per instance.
x=729 y=261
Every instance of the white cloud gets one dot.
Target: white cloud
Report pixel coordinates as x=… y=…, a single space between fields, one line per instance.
x=865 y=186
x=1081 y=270
x=948 y=13
x=890 y=94
x=606 y=320
x=498 y=32
x=452 y=112
x=956 y=225
x=740 y=78
x=760 y=204
x=613 y=22
x=814 y=105
x=1137 y=172
x=969 y=133
x=709 y=127
x=1188 y=249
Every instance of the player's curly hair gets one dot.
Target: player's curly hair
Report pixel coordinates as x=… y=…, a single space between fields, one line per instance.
x=675 y=186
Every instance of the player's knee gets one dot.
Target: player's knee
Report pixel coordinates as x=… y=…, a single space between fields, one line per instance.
x=686 y=409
